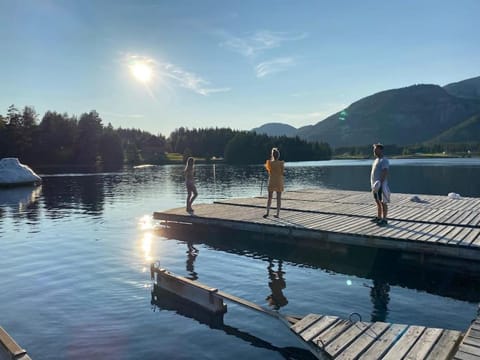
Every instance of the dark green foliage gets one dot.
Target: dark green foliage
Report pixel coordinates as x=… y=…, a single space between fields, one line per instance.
x=466 y=131
x=88 y=138
x=243 y=147
x=55 y=138
x=110 y=149
x=206 y=143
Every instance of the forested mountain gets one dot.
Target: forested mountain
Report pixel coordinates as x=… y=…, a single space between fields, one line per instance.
x=469 y=88
x=276 y=129
x=406 y=116
x=401 y=116
x=467 y=131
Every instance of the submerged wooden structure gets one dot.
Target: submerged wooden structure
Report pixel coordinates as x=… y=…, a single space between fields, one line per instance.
x=9 y=349
x=330 y=337
x=425 y=225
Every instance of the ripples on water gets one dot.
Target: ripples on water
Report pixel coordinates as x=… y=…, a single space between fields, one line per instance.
x=75 y=254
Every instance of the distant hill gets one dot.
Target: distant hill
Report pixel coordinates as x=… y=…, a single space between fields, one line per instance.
x=467 y=131
x=403 y=116
x=469 y=88
x=276 y=129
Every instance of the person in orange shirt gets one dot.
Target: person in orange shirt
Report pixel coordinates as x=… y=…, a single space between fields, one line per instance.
x=275 y=168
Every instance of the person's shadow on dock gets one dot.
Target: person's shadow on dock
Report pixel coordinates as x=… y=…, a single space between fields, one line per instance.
x=277 y=283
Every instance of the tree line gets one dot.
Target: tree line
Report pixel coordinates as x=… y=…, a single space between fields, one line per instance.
x=459 y=149
x=84 y=142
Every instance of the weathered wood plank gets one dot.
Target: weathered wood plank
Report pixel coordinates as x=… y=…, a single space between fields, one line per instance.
x=324 y=338
x=384 y=342
x=318 y=327
x=404 y=344
x=361 y=344
x=304 y=323
x=461 y=355
x=424 y=344
x=445 y=345
x=346 y=338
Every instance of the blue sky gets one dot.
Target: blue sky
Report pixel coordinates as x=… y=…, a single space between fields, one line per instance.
x=238 y=63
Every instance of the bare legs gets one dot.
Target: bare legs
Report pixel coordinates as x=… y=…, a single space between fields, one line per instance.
x=382 y=210
x=191 y=196
x=269 y=203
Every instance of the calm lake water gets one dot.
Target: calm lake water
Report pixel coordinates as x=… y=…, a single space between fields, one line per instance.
x=75 y=255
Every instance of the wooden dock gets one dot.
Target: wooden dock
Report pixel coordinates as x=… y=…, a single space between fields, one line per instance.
x=350 y=339
x=346 y=339
x=331 y=337
x=469 y=348
x=423 y=224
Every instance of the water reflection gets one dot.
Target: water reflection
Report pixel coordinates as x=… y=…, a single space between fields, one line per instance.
x=21 y=201
x=380 y=296
x=384 y=268
x=146 y=245
x=63 y=193
x=164 y=301
x=277 y=283
x=192 y=254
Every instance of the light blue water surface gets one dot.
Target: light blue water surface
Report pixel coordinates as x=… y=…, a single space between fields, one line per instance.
x=75 y=256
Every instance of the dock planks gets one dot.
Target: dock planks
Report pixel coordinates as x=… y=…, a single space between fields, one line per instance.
x=434 y=225
x=343 y=339
x=469 y=348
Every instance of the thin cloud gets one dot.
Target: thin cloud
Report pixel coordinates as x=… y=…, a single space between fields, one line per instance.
x=179 y=76
x=252 y=45
x=273 y=66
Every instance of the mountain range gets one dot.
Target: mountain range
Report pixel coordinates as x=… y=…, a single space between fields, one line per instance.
x=410 y=115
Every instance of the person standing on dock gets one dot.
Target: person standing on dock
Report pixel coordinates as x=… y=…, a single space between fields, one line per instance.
x=190 y=184
x=379 y=184
x=275 y=169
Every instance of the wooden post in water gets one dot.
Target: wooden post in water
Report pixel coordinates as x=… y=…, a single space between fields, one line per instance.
x=204 y=296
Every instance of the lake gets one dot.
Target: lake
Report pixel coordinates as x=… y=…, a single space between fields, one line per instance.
x=75 y=256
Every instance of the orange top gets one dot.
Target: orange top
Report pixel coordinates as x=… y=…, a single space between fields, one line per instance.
x=275 y=170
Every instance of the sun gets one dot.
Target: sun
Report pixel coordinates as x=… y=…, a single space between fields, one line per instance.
x=142 y=71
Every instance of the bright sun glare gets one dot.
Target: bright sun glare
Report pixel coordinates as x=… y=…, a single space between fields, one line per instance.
x=142 y=71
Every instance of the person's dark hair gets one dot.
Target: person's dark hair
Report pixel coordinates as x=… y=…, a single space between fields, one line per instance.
x=190 y=162
x=378 y=145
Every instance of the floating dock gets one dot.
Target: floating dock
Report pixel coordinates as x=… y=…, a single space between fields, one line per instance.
x=330 y=337
x=423 y=224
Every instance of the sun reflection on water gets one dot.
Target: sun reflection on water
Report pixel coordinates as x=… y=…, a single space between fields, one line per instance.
x=147 y=246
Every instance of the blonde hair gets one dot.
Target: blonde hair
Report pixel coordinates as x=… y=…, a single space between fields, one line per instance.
x=275 y=153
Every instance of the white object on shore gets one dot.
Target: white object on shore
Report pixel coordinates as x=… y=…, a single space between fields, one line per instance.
x=14 y=173
x=453 y=195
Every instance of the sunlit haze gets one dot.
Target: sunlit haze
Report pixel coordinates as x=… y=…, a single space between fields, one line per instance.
x=160 y=65
x=142 y=72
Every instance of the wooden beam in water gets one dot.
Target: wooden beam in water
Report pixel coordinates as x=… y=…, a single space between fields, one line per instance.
x=10 y=346
x=204 y=296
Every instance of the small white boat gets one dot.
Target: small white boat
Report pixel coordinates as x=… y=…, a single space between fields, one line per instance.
x=12 y=173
